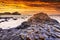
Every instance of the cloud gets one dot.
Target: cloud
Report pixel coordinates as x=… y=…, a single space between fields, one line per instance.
x=34 y=5
x=39 y=0
x=43 y=0
x=42 y=5
x=57 y=8
x=50 y=0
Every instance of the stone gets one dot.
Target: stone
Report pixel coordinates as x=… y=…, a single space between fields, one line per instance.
x=39 y=27
x=39 y=17
x=23 y=25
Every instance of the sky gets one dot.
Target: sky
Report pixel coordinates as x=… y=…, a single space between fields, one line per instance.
x=51 y=7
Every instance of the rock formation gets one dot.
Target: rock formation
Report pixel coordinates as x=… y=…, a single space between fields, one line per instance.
x=16 y=13
x=8 y=13
x=41 y=18
x=39 y=27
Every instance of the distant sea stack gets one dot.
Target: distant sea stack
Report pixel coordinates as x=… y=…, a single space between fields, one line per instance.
x=8 y=13
x=16 y=13
x=39 y=27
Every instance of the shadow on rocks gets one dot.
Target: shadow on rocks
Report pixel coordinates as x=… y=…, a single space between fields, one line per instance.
x=23 y=25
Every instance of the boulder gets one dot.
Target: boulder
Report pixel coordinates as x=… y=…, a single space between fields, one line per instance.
x=23 y=25
x=42 y=18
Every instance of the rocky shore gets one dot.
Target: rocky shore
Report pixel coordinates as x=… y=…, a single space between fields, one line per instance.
x=39 y=27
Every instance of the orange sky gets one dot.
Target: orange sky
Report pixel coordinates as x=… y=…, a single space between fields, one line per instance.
x=27 y=7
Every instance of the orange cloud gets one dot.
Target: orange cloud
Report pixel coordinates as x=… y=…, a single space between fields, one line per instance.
x=29 y=7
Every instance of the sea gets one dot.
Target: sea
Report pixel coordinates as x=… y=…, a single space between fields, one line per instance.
x=17 y=20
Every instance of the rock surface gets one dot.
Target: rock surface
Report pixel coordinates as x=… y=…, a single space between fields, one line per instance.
x=38 y=27
x=41 y=18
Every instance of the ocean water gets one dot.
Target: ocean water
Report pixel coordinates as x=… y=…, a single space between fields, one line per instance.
x=56 y=18
x=10 y=23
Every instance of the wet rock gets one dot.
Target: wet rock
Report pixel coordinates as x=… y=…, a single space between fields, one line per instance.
x=1 y=29
x=6 y=19
x=39 y=27
x=16 y=38
x=55 y=21
x=2 y=21
x=39 y=17
x=42 y=18
x=23 y=25
x=14 y=18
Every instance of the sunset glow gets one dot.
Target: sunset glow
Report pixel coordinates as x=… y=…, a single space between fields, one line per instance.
x=29 y=7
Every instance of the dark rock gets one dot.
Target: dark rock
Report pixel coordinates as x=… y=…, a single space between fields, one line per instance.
x=14 y=18
x=2 y=21
x=23 y=25
x=42 y=18
x=54 y=21
x=5 y=13
x=39 y=17
x=16 y=13
x=1 y=29
x=6 y=19
x=8 y=13
x=16 y=38
x=38 y=27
